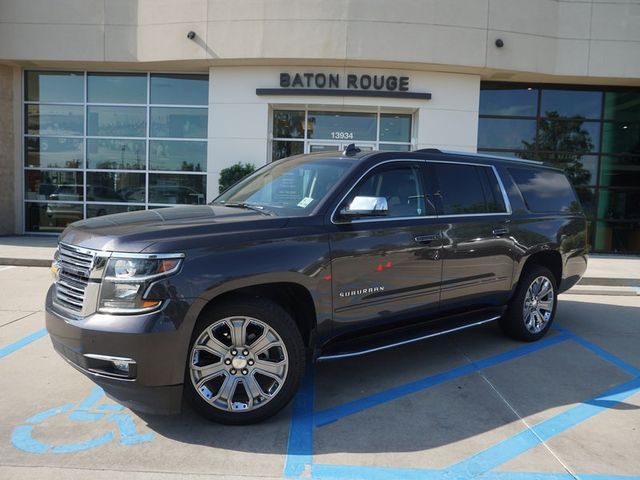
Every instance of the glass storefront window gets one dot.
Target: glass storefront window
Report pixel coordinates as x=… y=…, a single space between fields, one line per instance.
x=116 y=88
x=63 y=120
x=79 y=166
x=113 y=153
x=179 y=89
x=115 y=187
x=53 y=152
x=395 y=128
x=593 y=134
x=116 y=121
x=342 y=126
x=54 y=87
x=288 y=124
x=622 y=106
x=177 y=155
x=394 y=147
x=176 y=122
x=177 y=189
x=506 y=133
x=571 y=103
x=509 y=101
x=56 y=185
x=620 y=171
x=282 y=149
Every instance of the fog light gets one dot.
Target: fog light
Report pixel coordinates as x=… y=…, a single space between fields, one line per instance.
x=121 y=366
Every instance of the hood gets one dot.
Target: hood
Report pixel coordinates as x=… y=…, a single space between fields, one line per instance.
x=137 y=231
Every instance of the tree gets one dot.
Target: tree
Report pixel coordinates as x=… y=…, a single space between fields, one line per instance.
x=233 y=174
x=561 y=142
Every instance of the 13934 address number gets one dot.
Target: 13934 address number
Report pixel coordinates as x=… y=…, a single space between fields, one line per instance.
x=342 y=135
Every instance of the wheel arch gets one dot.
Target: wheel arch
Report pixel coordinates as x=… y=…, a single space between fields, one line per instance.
x=551 y=259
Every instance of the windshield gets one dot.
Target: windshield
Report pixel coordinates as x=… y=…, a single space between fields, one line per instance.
x=290 y=188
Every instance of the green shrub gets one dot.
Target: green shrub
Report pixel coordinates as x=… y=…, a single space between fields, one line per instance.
x=234 y=173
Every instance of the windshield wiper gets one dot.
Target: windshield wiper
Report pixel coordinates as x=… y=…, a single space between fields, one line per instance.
x=247 y=206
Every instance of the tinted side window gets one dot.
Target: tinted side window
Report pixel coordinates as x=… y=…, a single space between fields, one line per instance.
x=545 y=190
x=401 y=185
x=468 y=189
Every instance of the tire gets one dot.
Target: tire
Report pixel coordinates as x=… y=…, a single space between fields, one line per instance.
x=246 y=360
x=517 y=322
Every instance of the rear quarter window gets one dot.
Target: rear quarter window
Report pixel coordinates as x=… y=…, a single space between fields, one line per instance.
x=545 y=190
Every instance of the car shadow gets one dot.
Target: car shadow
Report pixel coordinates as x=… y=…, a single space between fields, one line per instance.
x=462 y=407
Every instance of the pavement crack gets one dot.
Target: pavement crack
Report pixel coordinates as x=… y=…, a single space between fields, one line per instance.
x=18 y=319
x=517 y=414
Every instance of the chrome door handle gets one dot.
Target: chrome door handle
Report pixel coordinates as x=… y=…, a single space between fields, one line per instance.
x=500 y=231
x=427 y=238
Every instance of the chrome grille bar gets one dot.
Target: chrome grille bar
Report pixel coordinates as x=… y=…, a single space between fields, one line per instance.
x=74 y=269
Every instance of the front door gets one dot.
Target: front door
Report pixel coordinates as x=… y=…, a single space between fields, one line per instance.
x=386 y=269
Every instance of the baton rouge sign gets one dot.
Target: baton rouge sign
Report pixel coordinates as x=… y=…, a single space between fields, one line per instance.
x=336 y=84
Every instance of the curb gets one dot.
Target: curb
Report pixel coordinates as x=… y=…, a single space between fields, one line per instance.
x=604 y=290
x=609 y=282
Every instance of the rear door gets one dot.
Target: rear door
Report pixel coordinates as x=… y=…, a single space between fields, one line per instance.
x=477 y=249
x=387 y=268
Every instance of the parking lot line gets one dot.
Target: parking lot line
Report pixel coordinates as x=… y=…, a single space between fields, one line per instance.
x=333 y=414
x=17 y=345
x=299 y=457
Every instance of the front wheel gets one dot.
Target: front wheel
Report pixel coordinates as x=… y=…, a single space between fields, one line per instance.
x=533 y=306
x=246 y=361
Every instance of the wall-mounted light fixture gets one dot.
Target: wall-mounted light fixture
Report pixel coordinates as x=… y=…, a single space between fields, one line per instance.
x=499 y=43
x=191 y=35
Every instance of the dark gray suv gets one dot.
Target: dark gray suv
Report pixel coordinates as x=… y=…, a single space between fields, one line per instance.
x=317 y=256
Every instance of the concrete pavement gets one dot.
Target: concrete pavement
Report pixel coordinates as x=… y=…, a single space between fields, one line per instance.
x=469 y=405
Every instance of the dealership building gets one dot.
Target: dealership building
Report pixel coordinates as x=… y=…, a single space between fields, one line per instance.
x=109 y=106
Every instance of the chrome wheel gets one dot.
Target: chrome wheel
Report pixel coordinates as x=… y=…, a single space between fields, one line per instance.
x=538 y=304
x=238 y=364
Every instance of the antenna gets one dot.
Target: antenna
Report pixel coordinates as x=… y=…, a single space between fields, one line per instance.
x=351 y=150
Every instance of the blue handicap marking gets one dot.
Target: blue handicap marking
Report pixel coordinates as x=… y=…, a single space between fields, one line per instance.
x=89 y=410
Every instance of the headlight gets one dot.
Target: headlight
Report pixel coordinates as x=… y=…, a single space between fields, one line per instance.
x=126 y=281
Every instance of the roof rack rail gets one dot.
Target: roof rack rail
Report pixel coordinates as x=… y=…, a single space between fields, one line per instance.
x=351 y=150
x=428 y=150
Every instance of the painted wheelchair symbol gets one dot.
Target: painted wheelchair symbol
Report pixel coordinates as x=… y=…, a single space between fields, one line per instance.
x=87 y=411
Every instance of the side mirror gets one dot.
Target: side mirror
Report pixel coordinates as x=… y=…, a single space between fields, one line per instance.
x=366 y=207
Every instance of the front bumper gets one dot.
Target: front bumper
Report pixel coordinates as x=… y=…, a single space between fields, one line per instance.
x=156 y=342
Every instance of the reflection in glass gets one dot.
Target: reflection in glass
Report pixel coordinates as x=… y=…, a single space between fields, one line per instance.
x=620 y=171
x=395 y=128
x=116 y=88
x=116 y=153
x=618 y=237
x=98 y=210
x=616 y=204
x=186 y=156
x=286 y=149
x=505 y=133
x=587 y=197
x=53 y=152
x=341 y=126
x=115 y=187
x=395 y=147
x=54 y=120
x=288 y=124
x=116 y=121
x=563 y=143
x=323 y=148
x=622 y=106
x=621 y=138
x=53 y=185
x=177 y=89
x=509 y=101
x=54 y=87
x=177 y=189
x=571 y=103
x=176 y=122
x=50 y=217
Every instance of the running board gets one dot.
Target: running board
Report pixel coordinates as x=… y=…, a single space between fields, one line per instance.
x=373 y=345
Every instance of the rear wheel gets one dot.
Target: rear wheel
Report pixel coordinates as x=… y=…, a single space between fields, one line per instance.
x=533 y=306
x=246 y=361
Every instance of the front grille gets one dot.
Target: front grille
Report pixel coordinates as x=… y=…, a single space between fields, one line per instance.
x=74 y=268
